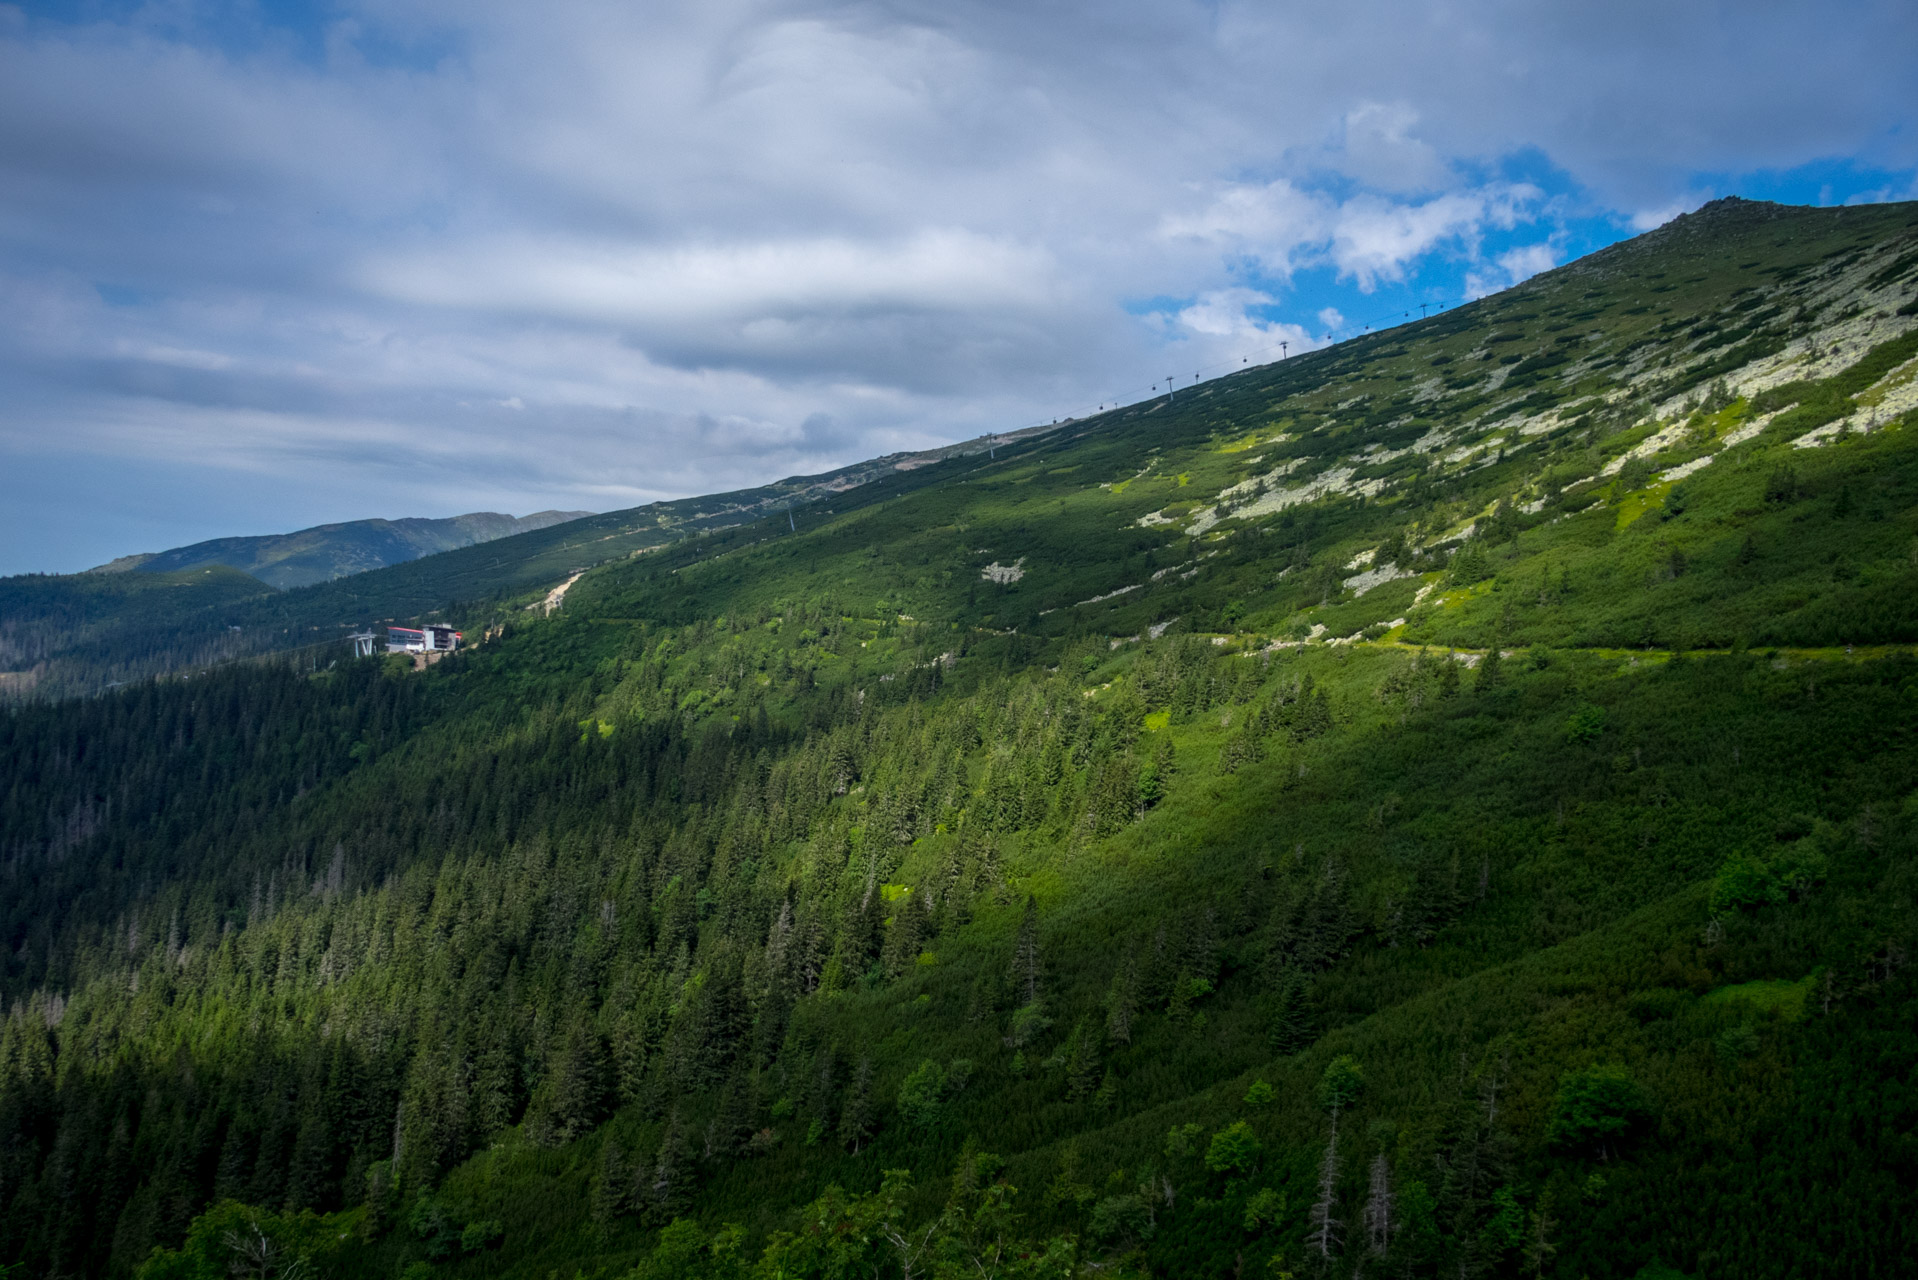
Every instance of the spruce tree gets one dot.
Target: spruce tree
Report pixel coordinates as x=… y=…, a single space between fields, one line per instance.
x=1121 y=1000
x=731 y=1126
x=856 y=1121
x=673 y=1174
x=1291 y=1020
x=1082 y=1061
x=579 y=1083
x=1489 y=673
x=612 y=1184
x=906 y=938
x=1027 y=966
x=822 y=1086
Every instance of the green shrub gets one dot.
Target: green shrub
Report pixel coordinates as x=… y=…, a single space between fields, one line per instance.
x=1470 y=565
x=1744 y=882
x=1596 y=1107
x=921 y=1095
x=1121 y=1219
x=1734 y=1044
x=1635 y=474
x=1341 y=1083
x=1234 y=1149
x=1586 y=724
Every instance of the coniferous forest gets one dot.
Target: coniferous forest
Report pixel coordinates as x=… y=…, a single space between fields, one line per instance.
x=1446 y=804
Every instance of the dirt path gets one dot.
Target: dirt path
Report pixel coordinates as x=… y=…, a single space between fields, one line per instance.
x=557 y=596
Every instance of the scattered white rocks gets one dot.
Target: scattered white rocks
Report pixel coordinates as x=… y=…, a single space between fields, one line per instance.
x=1004 y=574
x=1110 y=595
x=1833 y=432
x=1255 y=483
x=1157 y=629
x=1362 y=559
x=1364 y=582
x=1751 y=429
x=1336 y=481
x=1678 y=473
x=1658 y=441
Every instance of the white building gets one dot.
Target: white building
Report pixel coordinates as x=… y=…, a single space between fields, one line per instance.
x=428 y=639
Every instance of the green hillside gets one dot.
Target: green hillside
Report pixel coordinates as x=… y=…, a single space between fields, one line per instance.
x=67 y=634
x=1443 y=805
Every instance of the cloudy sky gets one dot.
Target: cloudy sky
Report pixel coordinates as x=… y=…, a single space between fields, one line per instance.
x=271 y=264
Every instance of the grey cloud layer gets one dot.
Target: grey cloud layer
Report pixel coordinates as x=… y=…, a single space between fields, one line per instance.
x=595 y=253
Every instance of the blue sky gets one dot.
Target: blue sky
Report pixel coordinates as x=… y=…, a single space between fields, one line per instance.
x=271 y=264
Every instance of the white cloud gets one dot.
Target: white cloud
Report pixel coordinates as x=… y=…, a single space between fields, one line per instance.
x=1646 y=219
x=1510 y=268
x=1220 y=331
x=707 y=244
x=1380 y=151
x=1526 y=262
x=938 y=269
x=1375 y=238
x=1368 y=238
x=1224 y=313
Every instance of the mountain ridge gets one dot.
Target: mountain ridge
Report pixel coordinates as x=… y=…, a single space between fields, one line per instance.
x=322 y=552
x=71 y=633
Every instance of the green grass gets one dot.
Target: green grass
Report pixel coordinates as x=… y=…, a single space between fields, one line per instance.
x=1776 y=996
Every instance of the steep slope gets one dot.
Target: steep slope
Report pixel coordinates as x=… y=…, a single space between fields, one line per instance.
x=1402 y=811
x=330 y=551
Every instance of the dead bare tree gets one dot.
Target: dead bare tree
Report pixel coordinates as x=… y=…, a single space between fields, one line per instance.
x=1324 y=1236
x=1538 y=1244
x=1381 y=1208
x=255 y=1255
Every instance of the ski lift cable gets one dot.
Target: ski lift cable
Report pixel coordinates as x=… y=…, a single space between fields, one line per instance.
x=1350 y=329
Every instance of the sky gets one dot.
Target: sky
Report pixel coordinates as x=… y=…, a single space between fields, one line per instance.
x=267 y=265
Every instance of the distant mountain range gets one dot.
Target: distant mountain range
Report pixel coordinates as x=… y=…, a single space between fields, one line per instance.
x=330 y=551
x=224 y=599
